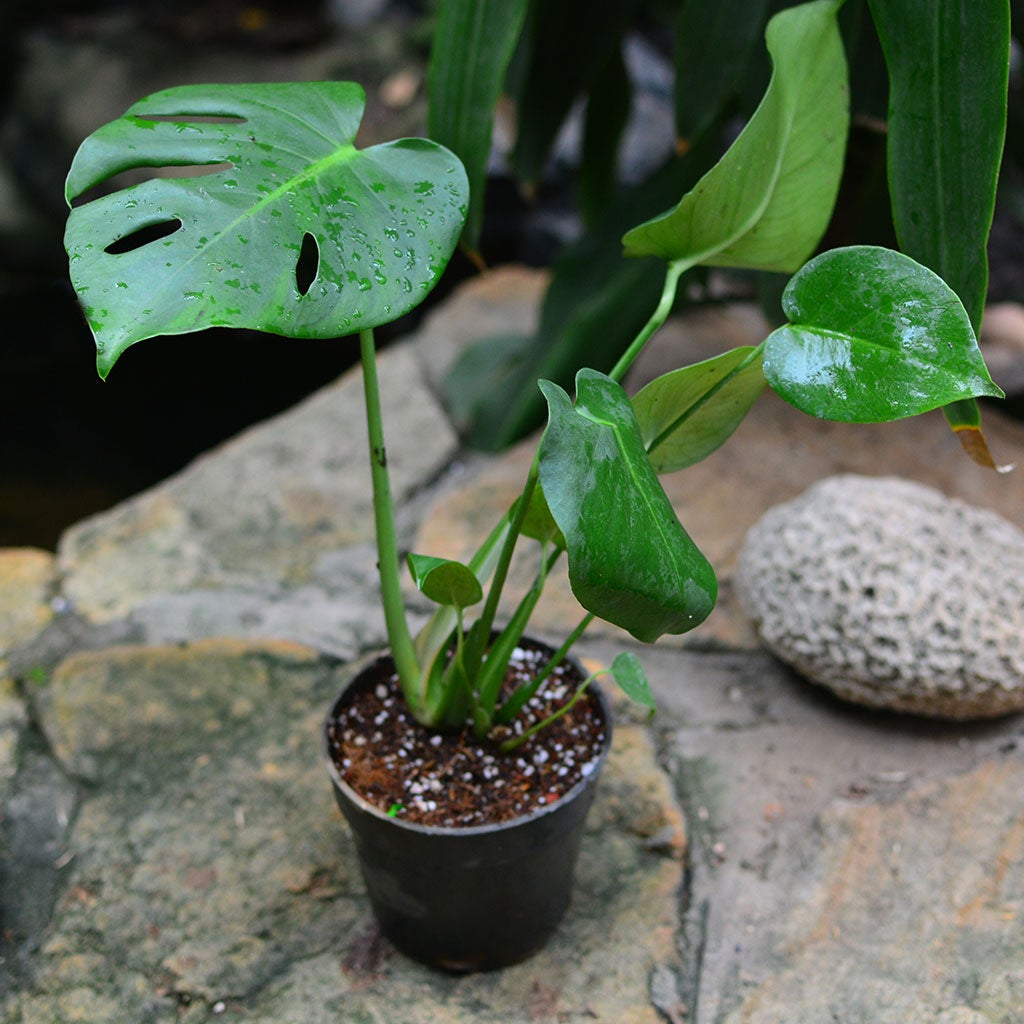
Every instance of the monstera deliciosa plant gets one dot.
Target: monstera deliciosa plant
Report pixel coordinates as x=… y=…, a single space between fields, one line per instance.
x=282 y=224
x=285 y=226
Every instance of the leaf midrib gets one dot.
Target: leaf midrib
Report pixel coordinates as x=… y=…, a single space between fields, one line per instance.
x=312 y=171
x=665 y=540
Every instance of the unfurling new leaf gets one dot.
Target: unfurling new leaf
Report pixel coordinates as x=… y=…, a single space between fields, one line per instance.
x=445 y=581
x=767 y=202
x=630 y=560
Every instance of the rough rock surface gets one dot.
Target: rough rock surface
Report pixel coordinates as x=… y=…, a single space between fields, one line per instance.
x=892 y=595
x=27 y=576
x=169 y=848
x=205 y=870
x=267 y=535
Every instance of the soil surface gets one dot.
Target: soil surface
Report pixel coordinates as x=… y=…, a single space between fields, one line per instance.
x=453 y=779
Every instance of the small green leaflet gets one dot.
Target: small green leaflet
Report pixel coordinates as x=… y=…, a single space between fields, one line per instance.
x=686 y=414
x=445 y=582
x=629 y=674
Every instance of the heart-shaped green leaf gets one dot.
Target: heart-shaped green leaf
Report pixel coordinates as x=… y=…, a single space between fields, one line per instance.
x=686 y=414
x=445 y=581
x=873 y=336
x=376 y=226
x=630 y=560
x=767 y=202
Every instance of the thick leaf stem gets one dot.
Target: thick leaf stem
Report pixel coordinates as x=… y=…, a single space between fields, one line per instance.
x=673 y=272
x=482 y=632
x=399 y=638
x=514 y=704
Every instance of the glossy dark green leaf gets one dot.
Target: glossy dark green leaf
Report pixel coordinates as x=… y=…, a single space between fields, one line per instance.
x=686 y=414
x=948 y=67
x=630 y=560
x=629 y=674
x=379 y=224
x=445 y=581
x=873 y=336
x=766 y=203
x=472 y=44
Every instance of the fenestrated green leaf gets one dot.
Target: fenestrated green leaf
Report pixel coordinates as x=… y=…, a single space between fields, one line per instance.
x=472 y=44
x=686 y=414
x=630 y=560
x=873 y=336
x=445 y=581
x=767 y=202
x=384 y=220
x=632 y=679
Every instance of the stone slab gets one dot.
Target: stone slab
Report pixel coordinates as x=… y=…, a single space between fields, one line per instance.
x=175 y=851
x=259 y=513
x=206 y=872
x=28 y=578
x=908 y=911
x=845 y=865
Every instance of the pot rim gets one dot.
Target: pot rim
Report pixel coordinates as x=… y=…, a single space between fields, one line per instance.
x=463 y=830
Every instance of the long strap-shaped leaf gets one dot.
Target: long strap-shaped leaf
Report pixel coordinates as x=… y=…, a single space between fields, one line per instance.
x=567 y=43
x=714 y=39
x=382 y=221
x=948 y=64
x=767 y=202
x=473 y=43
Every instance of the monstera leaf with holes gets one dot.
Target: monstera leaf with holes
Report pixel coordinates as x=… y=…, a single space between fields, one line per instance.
x=283 y=179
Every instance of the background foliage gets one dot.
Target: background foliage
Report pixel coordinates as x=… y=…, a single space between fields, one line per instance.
x=942 y=63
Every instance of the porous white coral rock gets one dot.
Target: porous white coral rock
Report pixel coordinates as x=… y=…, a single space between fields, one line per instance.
x=893 y=595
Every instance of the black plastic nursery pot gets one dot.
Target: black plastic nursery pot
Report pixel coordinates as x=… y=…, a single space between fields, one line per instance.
x=468 y=898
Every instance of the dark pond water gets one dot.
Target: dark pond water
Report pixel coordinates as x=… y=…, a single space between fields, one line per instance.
x=72 y=444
